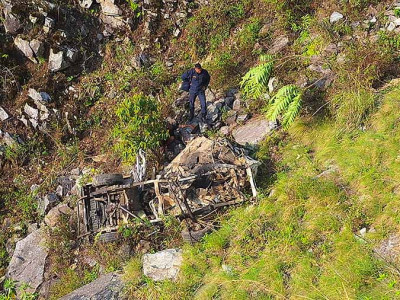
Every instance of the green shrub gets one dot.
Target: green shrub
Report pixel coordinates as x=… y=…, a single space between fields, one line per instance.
x=254 y=84
x=139 y=126
x=287 y=103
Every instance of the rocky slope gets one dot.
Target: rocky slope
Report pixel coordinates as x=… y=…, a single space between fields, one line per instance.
x=66 y=66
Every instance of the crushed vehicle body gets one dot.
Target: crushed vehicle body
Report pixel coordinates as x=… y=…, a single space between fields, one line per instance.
x=205 y=177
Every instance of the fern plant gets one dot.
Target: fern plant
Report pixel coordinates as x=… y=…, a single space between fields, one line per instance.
x=255 y=82
x=286 y=103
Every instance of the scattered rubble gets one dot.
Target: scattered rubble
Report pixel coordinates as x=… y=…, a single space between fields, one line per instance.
x=27 y=264
x=162 y=265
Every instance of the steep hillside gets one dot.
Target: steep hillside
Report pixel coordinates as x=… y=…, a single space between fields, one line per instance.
x=85 y=85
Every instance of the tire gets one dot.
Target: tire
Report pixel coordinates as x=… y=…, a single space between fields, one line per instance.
x=108 y=237
x=107 y=179
x=194 y=236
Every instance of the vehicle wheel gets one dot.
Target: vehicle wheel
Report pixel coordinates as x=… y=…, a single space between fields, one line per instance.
x=107 y=237
x=107 y=179
x=194 y=236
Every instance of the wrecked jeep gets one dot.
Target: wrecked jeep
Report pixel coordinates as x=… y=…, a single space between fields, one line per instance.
x=205 y=177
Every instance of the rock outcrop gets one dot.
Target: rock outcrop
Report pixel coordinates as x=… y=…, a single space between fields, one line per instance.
x=106 y=287
x=27 y=264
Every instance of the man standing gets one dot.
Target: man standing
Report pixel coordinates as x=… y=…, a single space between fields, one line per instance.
x=197 y=79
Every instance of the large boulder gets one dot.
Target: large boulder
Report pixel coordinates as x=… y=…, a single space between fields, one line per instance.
x=27 y=264
x=162 y=265
x=253 y=132
x=106 y=287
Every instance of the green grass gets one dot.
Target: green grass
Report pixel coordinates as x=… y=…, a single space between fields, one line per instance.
x=302 y=242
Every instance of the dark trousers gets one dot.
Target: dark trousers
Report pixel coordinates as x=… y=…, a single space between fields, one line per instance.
x=202 y=97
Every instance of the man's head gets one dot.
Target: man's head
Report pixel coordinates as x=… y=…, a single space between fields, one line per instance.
x=197 y=68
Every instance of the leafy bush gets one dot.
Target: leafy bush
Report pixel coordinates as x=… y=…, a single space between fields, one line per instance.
x=287 y=102
x=139 y=126
x=255 y=82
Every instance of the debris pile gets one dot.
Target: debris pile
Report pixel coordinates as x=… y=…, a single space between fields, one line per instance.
x=205 y=177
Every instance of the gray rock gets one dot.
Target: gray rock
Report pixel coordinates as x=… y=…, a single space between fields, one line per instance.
x=48 y=202
x=11 y=23
x=106 y=287
x=272 y=84
x=242 y=118
x=31 y=50
x=236 y=104
x=109 y=8
x=279 y=44
x=391 y=26
x=57 y=61
x=53 y=216
x=49 y=22
x=390 y=248
x=335 y=17
x=114 y=22
x=41 y=97
x=32 y=112
x=3 y=114
x=162 y=265
x=85 y=3
x=225 y=130
x=72 y=55
x=231 y=117
x=177 y=32
x=253 y=132
x=28 y=261
x=8 y=139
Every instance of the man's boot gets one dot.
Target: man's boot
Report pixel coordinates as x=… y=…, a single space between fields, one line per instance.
x=191 y=115
x=204 y=118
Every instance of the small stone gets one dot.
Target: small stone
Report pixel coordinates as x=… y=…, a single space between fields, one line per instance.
x=48 y=24
x=109 y=8
x=72 y=55
x=335 y=17
x=177 y=32
x=272 y=84
x=48 y=202
x=391 y=26
x=3 y=114
x=56 y=61
x=363 y=231
x=242 y=118
x=85 y=3
x=237 y=104
x=224 y=130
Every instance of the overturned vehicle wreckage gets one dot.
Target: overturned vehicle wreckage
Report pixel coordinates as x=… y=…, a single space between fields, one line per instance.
x=205 y=177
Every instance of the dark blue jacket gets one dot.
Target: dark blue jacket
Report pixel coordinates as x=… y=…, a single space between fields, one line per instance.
x=198 y=82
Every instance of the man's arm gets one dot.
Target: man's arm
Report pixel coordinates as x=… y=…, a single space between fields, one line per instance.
x=206 y=79
x=186 y=76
